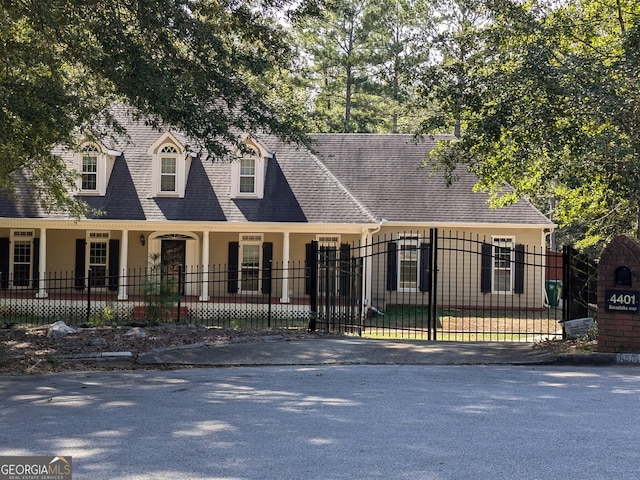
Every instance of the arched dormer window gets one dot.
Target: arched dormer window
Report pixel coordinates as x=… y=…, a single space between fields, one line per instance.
x=170 y=165
x=94 y=162
x=248 y=172
x=89 y=172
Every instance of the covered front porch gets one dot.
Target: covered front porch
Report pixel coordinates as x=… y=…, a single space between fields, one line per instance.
x=49 y=257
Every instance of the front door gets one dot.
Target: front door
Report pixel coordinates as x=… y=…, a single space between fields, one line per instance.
x=173 y=255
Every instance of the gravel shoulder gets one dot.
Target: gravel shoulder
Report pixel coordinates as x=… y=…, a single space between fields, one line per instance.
x=25 y=351
x=32 y=351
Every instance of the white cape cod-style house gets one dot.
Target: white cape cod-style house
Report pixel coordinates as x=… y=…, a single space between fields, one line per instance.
x=160 y=200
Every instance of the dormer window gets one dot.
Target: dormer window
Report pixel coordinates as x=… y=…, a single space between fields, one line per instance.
x=168 y=169
x=90 y=168
x=94 y=162
x=170 y=166
x=248 y=172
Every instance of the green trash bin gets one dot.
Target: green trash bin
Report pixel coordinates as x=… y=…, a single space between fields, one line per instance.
x=554 y=289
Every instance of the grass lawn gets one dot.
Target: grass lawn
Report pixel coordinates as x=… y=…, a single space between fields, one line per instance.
x=464 y=325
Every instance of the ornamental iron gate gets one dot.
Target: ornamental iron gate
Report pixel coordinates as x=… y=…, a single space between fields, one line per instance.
x=444 y=285
x=580 y=286
x=336 y=289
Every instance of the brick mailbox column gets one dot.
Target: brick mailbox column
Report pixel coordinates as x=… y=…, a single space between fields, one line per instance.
x=619 y=296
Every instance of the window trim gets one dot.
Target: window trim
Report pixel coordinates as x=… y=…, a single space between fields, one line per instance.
x=98 y=236
x=168 y=152
x=414 y=241
x=253 y=239
x=183 y=163
x=23 y=236
x=260 y=155
x=502 y=241
x=244 y=175
x=86 y=154
x=328 y=241
x=101 y=167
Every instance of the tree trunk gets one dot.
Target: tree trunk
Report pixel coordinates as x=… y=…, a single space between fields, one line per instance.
x=347 y=106
x=620 y=17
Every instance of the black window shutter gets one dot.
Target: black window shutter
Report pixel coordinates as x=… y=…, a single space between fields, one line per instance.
x=345 y=270
x=81 y=246
x=114 y=263
x=485 y=273
x=5 y=251
x=308 y=262
x=36 y=263
x=267 y=260
x=392 y=266
x=425 y=267
x=518 y=285
x=232 y=266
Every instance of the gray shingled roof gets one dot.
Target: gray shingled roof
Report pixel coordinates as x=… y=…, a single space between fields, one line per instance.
x=349 y=179
x=298 y=188
x=382 y=172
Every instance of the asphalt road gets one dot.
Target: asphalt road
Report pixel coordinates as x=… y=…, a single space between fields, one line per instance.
x=332 y=422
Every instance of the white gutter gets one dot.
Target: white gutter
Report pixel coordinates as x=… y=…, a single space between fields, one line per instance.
x=545 y=236
x=367 y=284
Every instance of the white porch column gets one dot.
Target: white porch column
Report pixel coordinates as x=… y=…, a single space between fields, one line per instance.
x=367 y=284
x=285 y=268
x=42 y=253
x=124 y=265
x=204 y=289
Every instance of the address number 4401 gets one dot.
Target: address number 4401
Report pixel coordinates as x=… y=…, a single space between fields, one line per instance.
x=623 y=299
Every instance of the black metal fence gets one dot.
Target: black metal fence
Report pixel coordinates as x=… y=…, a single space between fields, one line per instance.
x=216 y=297
x=433 y=285
x=442 y=285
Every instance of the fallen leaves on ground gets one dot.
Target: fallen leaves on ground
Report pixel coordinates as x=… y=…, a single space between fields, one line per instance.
x=571 y=345
x=31 y=351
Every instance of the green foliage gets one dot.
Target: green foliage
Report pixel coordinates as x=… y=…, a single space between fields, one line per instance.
x=199 y=65
x=590 y=335
x=238 y=324
x=161 y=291
x=448 y=84
x=358 y=64
x=106 y=317
x=553 y=112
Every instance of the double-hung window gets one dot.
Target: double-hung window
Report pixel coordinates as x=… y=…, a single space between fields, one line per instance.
x=22 y=241
x=98 y=257
x=89 y=173
x=248 y=173
x=408 y=262
x=168 y=169
x=248 y=176
x=170 y=164
x=503 y=258
x=94 y=163
x=250 y=262
x=329 y=267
